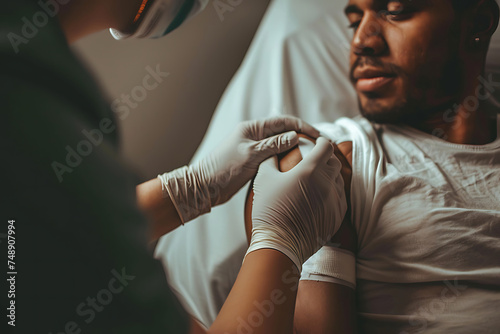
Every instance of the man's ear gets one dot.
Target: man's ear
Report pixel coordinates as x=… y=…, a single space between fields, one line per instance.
x=485 y=21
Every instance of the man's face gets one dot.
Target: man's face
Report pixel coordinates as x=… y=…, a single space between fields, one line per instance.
x=404 y=57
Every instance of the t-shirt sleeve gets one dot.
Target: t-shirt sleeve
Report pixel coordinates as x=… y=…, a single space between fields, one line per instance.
x=330 y=263
x=81 y=243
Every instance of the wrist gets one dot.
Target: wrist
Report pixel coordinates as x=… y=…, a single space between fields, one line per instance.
x=188 y=193
x=160 y=211
x=278 y=242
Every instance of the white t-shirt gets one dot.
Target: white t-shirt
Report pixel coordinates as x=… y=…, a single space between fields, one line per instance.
x=427 y=215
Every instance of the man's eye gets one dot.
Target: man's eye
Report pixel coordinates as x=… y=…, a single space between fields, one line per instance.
x=395 y=9
x=399 y=15
x=398 y=11
x=354 y=25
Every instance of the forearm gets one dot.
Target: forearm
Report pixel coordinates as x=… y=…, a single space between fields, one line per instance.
x=161 y=212
x=263 y=298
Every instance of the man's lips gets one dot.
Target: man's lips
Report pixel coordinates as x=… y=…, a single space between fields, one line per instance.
x=371 y=80
x=372 y=84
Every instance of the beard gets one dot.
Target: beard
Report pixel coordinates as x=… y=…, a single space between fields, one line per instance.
x=415 y=102
x=401 y=112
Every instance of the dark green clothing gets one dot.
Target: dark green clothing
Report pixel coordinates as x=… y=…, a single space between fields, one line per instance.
x=82 y=260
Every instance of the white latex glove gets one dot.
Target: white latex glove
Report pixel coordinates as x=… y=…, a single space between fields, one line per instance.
x=195 y=189
x=298 y=211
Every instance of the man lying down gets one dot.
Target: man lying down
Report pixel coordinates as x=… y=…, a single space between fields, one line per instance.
x=422 y=165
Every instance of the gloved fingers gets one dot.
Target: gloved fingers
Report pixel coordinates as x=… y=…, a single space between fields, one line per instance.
x=259 y=130
x=320 y=155
x=277 y=144
x=270 y=166
x=334 y=162
x=296 y=124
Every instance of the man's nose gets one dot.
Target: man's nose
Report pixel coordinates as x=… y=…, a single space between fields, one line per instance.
x=368 y=39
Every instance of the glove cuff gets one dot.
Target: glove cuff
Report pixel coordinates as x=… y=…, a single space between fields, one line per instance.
x=191 y=198
x=264 y=241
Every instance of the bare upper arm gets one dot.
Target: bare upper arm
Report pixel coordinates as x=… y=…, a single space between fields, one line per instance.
x=196 y=328
x=346 y=236
x=323 y=307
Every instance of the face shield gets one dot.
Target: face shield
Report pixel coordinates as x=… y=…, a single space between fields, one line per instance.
x=161 y=17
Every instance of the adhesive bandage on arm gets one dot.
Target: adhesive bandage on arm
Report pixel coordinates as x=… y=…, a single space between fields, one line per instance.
x=333 y=265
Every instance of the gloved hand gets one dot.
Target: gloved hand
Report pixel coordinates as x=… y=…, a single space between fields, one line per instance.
x=195 y=189
x=298 y=211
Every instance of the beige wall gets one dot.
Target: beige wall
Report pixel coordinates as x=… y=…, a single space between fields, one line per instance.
x=163 y=130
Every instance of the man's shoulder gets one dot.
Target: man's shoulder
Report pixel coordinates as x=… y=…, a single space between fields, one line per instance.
x=357 y=129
